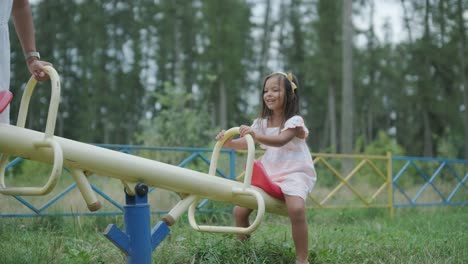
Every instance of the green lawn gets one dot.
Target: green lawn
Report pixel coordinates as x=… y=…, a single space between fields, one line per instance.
x=427 y=235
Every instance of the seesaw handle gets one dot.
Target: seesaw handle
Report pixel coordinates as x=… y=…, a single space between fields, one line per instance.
x=250 y=154
x=232 y=229
x=53 y=178
x=53 y=105
x=48 y=140
x=245 y=190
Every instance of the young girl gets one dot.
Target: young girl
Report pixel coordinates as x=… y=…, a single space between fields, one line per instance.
x=287 y=160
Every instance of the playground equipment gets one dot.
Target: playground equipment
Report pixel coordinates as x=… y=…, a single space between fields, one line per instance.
x=82 y=159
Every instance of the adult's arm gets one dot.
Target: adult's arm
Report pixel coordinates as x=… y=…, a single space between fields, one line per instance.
x=24 y=26
x=23 y=21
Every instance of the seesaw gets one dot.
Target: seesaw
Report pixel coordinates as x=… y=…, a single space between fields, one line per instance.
x=138 y=241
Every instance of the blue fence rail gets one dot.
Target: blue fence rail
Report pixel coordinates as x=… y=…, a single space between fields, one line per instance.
x=429 y=182
x=416 y=181
x=117 y=208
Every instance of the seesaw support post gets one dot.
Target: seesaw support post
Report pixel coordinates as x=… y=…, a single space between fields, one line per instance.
x=138 y=241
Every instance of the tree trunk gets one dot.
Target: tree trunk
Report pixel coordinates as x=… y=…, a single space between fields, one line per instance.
x=464 y=85
x=347 y=85
x=222 y=105
x=428 y=146
x=370 y=128
x=265 y=41
x=332 y=116
x=326 y=132
x=284 y=8
x=407 y=21
x=373 y=61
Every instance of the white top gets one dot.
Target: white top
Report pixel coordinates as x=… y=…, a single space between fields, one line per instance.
x=5 y=12
x=290 y=166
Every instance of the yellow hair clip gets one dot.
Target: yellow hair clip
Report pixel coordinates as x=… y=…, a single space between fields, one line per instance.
x=290 y=78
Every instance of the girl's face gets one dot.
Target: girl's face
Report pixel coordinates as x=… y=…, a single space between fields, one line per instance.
x=273 y=94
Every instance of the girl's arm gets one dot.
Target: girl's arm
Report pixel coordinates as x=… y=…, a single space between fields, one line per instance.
x=238 y=143
x=273 y=140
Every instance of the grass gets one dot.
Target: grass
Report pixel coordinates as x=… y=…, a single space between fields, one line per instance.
x=425 y=235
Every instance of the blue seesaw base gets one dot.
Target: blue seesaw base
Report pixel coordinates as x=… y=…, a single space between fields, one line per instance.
x=138 y=242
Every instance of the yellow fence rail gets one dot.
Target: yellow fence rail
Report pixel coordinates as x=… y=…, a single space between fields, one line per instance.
x=349 y=181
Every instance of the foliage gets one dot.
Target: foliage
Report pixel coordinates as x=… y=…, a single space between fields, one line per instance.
x=176 y=125
x=113 y=56
x=447 y=147
x=380 y=146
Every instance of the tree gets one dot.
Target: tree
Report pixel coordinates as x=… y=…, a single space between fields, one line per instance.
x=328 y=56
x=175 y=125
x=113 y=56
x=347 y=107
x=265 y=40
x=227 y=59
x=463 y=79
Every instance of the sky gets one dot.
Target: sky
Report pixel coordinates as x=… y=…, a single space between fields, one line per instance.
x=385 y=10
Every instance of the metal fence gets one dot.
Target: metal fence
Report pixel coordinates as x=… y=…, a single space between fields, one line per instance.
x=344 y=181
x=429 y=182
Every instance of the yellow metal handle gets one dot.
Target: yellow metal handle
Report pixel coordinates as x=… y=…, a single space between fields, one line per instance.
x=53 y=105
x=246 y=190
x=250 y=154
x=53 y=179
x=48 y=140
x=85 y=188
x=232 y=229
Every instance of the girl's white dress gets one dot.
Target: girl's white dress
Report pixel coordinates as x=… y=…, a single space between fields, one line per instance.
x=290 y=166
x=5 y=12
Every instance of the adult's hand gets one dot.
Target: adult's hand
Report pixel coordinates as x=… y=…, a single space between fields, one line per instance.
x=36 y=66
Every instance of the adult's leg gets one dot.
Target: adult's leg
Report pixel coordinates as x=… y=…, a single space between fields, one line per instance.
x=297 y=216
x=241 y=216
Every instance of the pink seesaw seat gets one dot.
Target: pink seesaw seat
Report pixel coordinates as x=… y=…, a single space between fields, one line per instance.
x=261 y=180
x=5 y=99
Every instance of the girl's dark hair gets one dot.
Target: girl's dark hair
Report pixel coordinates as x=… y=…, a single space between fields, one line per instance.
x=291 y=98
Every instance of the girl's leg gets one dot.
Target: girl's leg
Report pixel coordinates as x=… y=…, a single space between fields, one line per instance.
x=297 y=215
x=241 y=215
